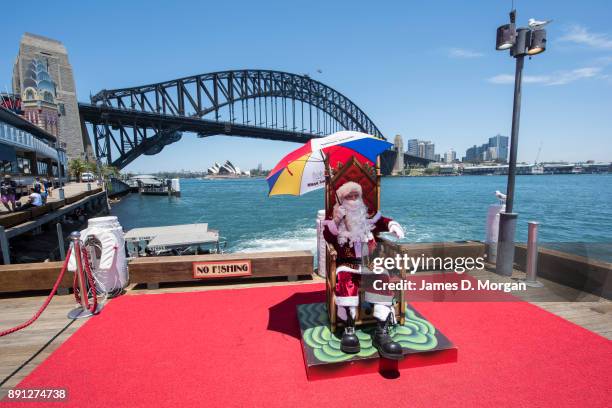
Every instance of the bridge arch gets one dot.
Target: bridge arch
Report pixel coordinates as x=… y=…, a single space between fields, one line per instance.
x=266 y=104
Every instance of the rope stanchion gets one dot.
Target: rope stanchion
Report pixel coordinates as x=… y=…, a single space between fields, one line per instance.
x=83 y=278
x=90 y=282
x=47 y=301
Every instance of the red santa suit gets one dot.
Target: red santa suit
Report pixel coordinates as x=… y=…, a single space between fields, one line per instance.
x=352 y=233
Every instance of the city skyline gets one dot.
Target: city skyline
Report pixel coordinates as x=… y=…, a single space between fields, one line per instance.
x=457 y=88
x=496 y=149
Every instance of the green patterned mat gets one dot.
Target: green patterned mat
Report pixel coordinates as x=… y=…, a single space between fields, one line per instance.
x=415 y=334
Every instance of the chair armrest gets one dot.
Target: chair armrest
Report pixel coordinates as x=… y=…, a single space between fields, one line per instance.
x=331 y=251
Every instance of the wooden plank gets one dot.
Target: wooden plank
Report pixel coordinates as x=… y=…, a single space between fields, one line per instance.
x=22 y=351
x=179 y=268
x=41 y=210
x=14 y=218
x=75 y=198
x=57 y=204
x=32 y=276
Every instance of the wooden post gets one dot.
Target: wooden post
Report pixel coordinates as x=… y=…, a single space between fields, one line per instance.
x=4 y=243
x=60 y=241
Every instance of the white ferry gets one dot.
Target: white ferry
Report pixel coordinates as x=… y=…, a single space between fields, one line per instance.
x=185 y=239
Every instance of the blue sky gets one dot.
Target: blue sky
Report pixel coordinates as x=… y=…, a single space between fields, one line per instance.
x=425 y=70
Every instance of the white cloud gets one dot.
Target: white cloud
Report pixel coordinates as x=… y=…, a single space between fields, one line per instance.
x=580 y=35
x=557 y=78
x=464 y=53
x=528 y=79
x=502 y=79
x=565 y=77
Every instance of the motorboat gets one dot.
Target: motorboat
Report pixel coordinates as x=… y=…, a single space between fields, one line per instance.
x=185 y=239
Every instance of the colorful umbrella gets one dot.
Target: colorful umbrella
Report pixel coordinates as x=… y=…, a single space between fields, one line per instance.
x=303 y=169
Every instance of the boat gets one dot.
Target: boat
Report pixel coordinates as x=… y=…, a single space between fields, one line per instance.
x=144 y=179
x=151 y=185
x=577 y=169
x=173 y=240
x=537 y=169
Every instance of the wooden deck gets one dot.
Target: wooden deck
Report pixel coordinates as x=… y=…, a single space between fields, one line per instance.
x=21 y=352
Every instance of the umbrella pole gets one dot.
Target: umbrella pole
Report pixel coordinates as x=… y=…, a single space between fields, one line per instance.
x=327 y=181
x=378 y=183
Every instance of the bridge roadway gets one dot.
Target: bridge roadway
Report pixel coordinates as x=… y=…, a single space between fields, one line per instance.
x=203 y=127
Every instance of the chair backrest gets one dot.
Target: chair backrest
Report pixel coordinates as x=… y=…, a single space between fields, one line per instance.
x=366 y=175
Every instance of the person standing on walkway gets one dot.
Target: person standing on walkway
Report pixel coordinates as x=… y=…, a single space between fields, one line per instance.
x=8 y=190
x=39 y=187
x=49 y=187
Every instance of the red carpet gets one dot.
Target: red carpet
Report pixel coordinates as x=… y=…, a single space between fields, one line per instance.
x=241 y=348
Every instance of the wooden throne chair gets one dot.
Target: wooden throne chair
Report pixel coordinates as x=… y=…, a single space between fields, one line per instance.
x=369 y=178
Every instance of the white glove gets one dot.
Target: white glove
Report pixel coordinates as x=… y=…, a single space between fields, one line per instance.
x=339 y=214
x=396 y=229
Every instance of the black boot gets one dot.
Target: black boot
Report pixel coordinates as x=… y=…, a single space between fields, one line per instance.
x=387 y=348
x=350 y=342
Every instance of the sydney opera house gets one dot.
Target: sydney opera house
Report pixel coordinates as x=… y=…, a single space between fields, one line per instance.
x=227 y=169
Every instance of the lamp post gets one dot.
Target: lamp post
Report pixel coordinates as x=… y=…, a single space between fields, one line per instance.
x=524 y=41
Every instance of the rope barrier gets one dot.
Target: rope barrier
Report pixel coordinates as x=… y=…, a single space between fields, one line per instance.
x=83 y=268
x=90 y=281
x=47 y=301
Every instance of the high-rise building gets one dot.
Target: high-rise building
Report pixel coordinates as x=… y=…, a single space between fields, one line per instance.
x=430 y=150
x=495 y=149
x=450 y=156
x=421 y=148
x=500 y=144
x=43 y=77
x=413 y=147
x=471 y=154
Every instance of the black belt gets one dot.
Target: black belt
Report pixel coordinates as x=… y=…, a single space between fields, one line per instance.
x=356 y=261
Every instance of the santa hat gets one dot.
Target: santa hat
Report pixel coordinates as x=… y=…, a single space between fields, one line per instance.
x=348 y=188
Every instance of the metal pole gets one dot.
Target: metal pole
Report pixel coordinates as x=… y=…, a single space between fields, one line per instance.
x=76 y=242
x=532 y=256
x=507 y=220
x=516 y=118
x=4 y=243
x=60 y=241
x=80 y=311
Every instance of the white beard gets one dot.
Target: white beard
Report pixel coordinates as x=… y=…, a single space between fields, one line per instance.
x=355 y=226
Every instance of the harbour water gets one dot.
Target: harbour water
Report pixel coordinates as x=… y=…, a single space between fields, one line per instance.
x=575 y=209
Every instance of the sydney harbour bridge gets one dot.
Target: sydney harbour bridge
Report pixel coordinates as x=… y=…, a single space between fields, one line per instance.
x=126 y=123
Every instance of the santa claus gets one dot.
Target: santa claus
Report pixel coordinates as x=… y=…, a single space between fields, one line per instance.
x=352 y=232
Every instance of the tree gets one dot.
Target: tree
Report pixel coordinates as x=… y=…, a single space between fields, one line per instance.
x=76 y=167
x=109 y=171
x=91 y=167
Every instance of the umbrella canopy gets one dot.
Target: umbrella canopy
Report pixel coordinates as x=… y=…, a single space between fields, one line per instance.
x=303 y=169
